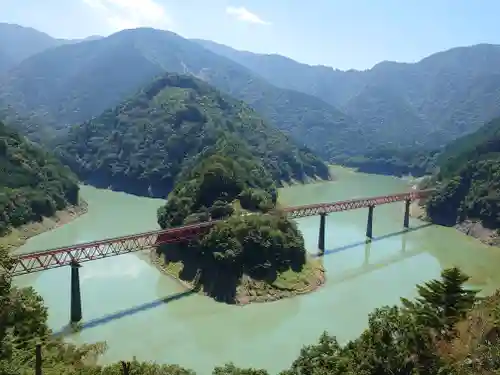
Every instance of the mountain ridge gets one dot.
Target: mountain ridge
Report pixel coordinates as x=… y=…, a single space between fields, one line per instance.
x=145 y=143
x=89 y=80
x=448 y=96
x=344 y=116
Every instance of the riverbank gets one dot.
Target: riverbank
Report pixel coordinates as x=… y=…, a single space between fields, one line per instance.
x=311 y=180
x=18 y=236
x=471 y=228
x=288 y=284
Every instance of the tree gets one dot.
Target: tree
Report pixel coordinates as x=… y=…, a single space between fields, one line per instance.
x=442 y=303
x=325 y=357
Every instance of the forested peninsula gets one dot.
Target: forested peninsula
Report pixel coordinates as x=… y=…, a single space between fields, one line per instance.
x=256 y=254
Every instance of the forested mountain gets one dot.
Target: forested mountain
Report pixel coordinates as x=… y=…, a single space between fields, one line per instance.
x=469 y=179
x=17 y=43
x=357 y=118
x=429 y=103
x=145 y=142
x=74 y=82
x=33 y=183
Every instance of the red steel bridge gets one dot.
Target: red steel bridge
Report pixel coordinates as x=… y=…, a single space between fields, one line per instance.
x=84 y=252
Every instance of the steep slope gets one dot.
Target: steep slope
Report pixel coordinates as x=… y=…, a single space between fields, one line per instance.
x=333 y=86
x=33 y=183
x=469 y=180
x=432 y=102
x=72 y=83
x=144 y=143
x=18 y=43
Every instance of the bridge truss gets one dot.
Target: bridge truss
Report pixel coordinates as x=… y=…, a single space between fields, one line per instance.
x=84 y=252
x=352 y=204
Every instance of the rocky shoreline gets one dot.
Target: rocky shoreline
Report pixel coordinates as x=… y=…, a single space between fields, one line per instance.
x=18 y=236
x=471 y=228
x=250 y=291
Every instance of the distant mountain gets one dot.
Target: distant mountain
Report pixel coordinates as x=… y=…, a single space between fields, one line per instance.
x=18 y=43
x=74 y=82
x=144 y=143
x=73 y=41
x=429 y=103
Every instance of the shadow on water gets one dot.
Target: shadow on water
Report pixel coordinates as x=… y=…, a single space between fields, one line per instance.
x=374 y=239
x=367 y=267
x=67 y=330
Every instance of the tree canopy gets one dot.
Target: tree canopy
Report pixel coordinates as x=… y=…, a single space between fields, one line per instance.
x=33 y=183
x=469 y=179
x=232 y=184
x=444 y=331
x=143 y=144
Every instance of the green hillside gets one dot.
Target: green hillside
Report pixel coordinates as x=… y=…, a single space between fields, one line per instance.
x=75 y=82
x=469 y=179
x=421 y=106
x=144 y=143
x=33 y=184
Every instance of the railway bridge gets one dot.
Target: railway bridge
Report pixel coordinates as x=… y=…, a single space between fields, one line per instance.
x=74 y=255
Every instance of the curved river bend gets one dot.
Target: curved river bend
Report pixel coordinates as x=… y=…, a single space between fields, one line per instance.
x=141 y=312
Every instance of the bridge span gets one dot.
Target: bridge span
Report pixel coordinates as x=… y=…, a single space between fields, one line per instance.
x=74 y=255
x=88 y=251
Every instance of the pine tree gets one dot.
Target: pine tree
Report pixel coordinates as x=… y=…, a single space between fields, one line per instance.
x=442 y=303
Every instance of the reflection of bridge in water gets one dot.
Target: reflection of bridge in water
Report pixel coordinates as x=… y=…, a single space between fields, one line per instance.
x=367 y=267
x=332 y=279
x=74 y=255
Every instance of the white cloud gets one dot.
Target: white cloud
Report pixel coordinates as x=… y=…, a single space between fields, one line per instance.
x=243 y=14
x=129 y=14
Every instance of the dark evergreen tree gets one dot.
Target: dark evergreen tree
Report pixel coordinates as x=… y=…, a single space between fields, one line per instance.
x=442 y=303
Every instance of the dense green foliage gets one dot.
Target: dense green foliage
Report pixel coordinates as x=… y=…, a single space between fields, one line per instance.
x=373 y=119
x=143 y=144
x=33 y=183
x=469 y=179
x=228 y=184
x=425 y=337
x=399 y=105
x=99 y=74
x=416 y=161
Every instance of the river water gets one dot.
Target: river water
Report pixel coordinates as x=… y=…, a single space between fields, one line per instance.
x=141 y=312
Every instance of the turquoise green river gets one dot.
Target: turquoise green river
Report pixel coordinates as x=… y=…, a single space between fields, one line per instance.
x=140 y=312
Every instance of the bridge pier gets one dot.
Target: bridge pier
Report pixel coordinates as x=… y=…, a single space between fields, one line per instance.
x=369 y=223
x=321 y=237
x=406 y=220
x=76 y=298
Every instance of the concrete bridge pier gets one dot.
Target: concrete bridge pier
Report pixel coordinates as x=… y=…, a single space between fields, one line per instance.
x=369 y=223
x=406 y=220
x=321 y=237
x=76 y=298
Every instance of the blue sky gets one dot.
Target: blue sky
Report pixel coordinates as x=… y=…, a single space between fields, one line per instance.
x=343 y=34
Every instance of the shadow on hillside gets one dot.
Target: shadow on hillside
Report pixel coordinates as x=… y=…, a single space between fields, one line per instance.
x=217 y=282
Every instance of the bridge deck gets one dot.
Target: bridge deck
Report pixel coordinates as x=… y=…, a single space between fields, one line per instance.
x=84 y=252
